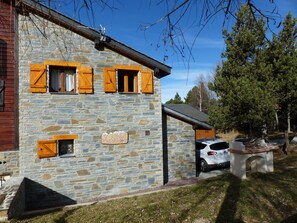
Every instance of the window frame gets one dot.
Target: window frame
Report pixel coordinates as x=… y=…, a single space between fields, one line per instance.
x=62 y=79
x=66 y=65
x=129 y=69
x=142 y=81
x=60 y=150
x=126 y=78
x=60 y=138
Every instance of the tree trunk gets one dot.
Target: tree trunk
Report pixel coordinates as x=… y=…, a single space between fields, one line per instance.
x=276 y=121
x=286 y=144
x=289 y=121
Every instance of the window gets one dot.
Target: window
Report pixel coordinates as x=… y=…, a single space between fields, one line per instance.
x=60 y=145
x=124 y=79
x=219 y=146
x=62 y=79
x=65 y=147
x=127 y=81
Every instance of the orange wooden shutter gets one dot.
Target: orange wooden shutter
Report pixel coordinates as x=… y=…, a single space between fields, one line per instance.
x=38 y=78
x=85 y=80
x=110 y=80
x=147 y=81
x=46 y=148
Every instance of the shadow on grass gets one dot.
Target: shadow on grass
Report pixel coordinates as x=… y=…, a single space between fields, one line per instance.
x=186 y=212
x=54 y=213
x=228 y=208
x=67 y=213
x=280 y=189
x=205 y=197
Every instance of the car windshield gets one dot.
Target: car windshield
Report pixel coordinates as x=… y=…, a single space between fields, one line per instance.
x=219 y=146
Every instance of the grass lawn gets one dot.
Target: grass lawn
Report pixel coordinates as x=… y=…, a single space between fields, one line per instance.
x=263 y=197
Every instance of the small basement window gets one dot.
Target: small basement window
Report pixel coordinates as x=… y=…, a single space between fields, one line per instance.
x=65 y=147
x=62 y=79
x=60 y=145
x=128 y=81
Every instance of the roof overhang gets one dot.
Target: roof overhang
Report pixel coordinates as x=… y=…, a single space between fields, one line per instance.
x=160 y=69
x=194 y=122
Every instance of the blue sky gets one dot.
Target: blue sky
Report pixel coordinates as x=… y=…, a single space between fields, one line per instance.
x=124 y=22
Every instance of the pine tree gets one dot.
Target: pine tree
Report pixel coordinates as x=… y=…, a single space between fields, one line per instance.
x=176 y=100
x=243 y=81
x=283 y=56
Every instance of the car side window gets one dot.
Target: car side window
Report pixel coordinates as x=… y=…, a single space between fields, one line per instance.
x=219 y=146
x=200 y=146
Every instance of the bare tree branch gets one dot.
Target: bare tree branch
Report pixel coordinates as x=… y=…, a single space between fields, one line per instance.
x=202 y=12
x=180 y=18
x=167 y=16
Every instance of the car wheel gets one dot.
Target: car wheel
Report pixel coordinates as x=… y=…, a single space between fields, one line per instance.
x=203 y=166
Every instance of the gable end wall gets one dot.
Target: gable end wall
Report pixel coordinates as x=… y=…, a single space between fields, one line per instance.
x=96 y=170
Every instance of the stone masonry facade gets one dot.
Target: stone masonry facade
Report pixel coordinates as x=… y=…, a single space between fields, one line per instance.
x=95 y=170
x=181 y=149
x=9 y=163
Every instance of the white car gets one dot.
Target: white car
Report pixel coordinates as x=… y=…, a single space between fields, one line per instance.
x=212 y=153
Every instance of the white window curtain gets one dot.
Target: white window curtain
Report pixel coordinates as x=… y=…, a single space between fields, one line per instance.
x=62 y=76
x=69 y=82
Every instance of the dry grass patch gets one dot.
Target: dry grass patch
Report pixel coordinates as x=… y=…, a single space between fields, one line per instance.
x=228 y=136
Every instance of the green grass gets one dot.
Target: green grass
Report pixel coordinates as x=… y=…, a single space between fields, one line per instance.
x=270 y=197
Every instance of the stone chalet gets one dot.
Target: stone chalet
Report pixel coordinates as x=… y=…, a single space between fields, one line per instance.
x=80 y=114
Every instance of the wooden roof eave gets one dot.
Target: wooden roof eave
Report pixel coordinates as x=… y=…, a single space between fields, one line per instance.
x=57 y=18
x=160 y=69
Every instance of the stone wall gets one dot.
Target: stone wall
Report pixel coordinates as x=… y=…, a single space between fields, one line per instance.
x=12 y=199
x=9 y=163
x=95 y=170
x=181 y=149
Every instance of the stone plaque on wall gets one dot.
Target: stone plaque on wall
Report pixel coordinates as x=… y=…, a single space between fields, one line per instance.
x=114 y=138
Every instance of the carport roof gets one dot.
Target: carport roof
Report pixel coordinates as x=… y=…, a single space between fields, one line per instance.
x=188 y=114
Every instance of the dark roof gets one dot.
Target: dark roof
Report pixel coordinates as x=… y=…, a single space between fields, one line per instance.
x=99 y=39
x=188 y=114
